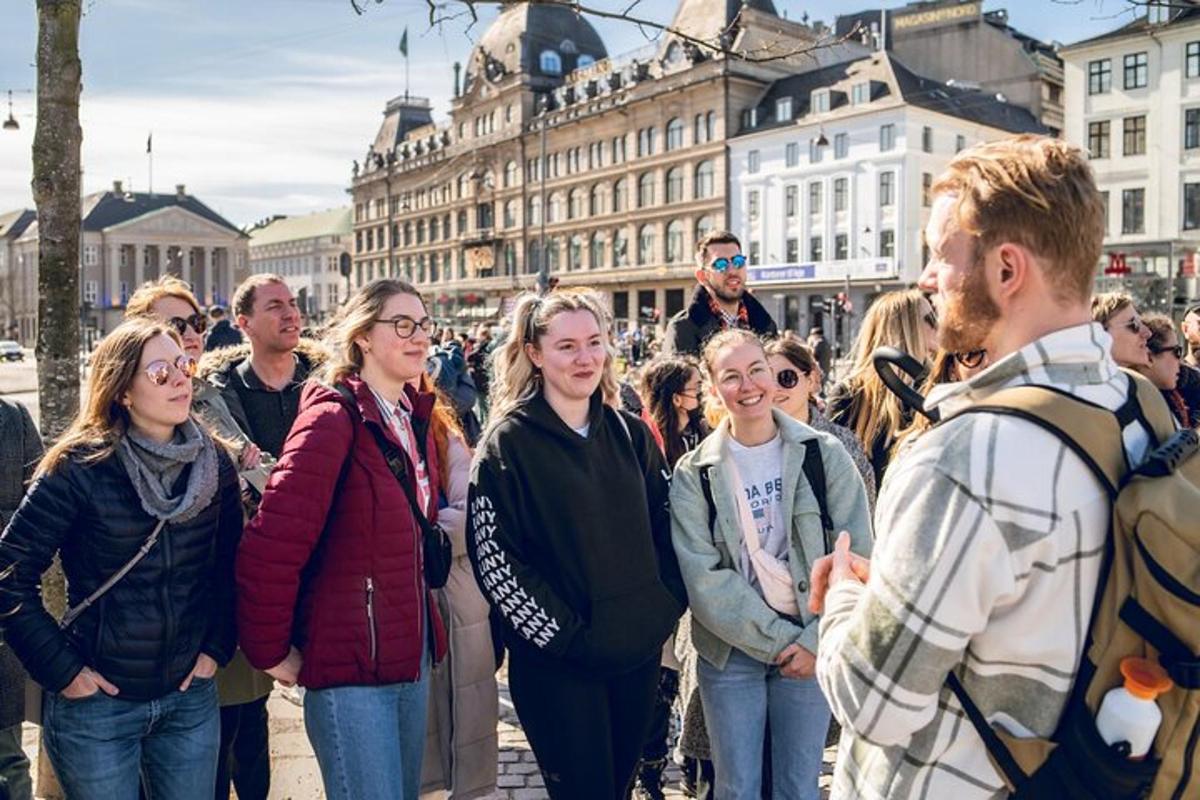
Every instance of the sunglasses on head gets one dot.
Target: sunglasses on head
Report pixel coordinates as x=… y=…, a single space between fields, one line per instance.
x=198 y=323
x=1177 y=350
x=159 y=370
x=788 y=378
x=721 y=264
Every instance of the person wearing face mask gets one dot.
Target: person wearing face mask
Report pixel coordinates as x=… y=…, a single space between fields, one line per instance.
x=331 y=589
x=721 y=301
x=1119 y=316
x=142 y=508
x=244 y=761
x=751 y=512
x=569 y=535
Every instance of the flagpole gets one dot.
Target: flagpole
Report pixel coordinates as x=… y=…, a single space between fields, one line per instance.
x=150 y=160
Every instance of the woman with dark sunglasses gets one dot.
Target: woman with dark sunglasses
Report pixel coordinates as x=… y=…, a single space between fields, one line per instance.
x=1166 y=360
x=135 y=496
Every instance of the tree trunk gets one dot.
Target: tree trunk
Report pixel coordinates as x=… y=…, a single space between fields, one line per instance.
x=56 y=185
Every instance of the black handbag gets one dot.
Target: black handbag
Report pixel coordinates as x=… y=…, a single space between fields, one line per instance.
x=435 y=544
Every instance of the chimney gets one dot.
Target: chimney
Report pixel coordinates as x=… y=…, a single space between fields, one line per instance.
x=457 y=72
x=118 y=188
x=180 y=191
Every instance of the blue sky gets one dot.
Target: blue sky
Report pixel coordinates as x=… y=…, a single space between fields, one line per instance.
x=259 y=106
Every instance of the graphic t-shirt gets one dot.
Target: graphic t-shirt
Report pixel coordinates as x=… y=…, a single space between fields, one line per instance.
x=761 y=471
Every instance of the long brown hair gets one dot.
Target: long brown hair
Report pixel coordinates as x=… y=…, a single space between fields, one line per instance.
x=443 y=424
x=662 y=379
x=102 y=418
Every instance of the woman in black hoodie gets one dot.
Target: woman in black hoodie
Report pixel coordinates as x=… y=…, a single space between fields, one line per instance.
x=569 y=535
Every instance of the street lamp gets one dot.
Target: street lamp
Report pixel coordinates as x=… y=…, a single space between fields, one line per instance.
x=11 y=124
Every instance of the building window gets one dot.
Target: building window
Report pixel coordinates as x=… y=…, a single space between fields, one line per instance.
x=1192 y=60
x=1133 y=211
x=90 y=255
x=887 y=137
x=926 y=189
x=752 y=162
x=887 y=188
x=550 y=62
x=754 y=253
x=1136 y=70
x=792 y=251
x=596 y=251
x=646 y=190
x=839 y=194
x=617 y=149
x=704 y=127
x=814 y=198
x=703 y=226
x=1191 y=206
x=1098 y=138
x=554 y=208
x=927 y=139
x=816 y=249
x=752 y=204
x=841 y=145
x=675 y=185
x=1191 y=128
x=596 y=201
x=534 y=217
x=1135 y=136
x=620 y=248
x=887 y=243
x=791 y=196
x=646 y=142
x=860 y=93
x=620 y=199
x=91 y=292
x=575 y=253
x=510 y=214
x=819 y=102
x=704 y=185
x=675 y=134
x=841 y=247
x=645 y=251
x=960 y=143
x=674 y=241
x=791 y=154
x=575 y=204
x=1099 y=76
x=1104 y=202
x=783 y=109
x=814 y=151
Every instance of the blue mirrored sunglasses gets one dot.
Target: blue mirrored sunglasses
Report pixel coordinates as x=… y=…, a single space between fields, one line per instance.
x=722 y=264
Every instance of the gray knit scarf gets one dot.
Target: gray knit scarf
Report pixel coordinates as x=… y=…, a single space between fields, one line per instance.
x=155 y=467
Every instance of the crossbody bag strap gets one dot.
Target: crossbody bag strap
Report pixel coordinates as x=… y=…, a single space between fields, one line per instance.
x=73 y=613
x=814 y=471
x=706 y=487
x=395 y=461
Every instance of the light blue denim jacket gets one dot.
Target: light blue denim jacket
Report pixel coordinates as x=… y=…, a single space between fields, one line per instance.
x=727 y=611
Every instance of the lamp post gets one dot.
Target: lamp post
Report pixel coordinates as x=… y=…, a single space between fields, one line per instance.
x=544 y=266
x=11 y=123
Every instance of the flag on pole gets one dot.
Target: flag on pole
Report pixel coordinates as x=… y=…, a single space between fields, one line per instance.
x=149 y=143
x=404 y=42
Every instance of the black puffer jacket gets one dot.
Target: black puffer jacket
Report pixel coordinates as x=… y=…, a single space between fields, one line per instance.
x=145 y=634
x=693 y=326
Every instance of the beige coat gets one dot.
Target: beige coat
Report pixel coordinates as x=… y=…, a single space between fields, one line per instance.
x=461 y=742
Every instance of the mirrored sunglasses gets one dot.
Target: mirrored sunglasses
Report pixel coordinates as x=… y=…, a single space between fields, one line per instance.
x=159 y=370
x=721 y=264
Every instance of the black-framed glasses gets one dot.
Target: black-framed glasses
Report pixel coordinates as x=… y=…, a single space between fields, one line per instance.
x=721 y=264
x=198 y=323
x=406 y=327
x=1176 y=349
x=159 y=370
x=972 y=359
x=788 y=378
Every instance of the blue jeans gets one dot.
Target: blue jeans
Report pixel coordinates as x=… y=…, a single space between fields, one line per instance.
x=102 y=746
x=738 y=701
x=369 y=740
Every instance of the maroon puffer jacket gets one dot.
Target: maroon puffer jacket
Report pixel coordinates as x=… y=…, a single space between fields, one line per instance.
x=337 y=571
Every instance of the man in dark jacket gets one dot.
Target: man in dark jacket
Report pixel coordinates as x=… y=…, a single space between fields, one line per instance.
x=223 y=334
x=721 y=300
x=21 y=451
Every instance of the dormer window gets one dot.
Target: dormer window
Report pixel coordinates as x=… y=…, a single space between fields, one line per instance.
x=585 y=61
x=860 y=93
x=550 y=62
x=819 y=103
x=674 y=53
x=783 y=109
x=568 y=46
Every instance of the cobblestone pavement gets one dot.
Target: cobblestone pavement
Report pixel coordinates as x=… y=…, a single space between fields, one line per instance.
x=294 y=774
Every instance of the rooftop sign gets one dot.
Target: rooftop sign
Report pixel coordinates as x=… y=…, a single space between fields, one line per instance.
x=936 y=16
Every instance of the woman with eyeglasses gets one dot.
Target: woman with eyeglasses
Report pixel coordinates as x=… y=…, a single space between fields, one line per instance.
x=244 y=759
x=331 y=589
x=1166 y=359
x=569 y=536
x=862 y=402
x=670 y=391
x=142 y=508
x=797 y=381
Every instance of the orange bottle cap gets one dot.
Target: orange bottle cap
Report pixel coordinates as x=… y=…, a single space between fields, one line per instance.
x=1144 y=678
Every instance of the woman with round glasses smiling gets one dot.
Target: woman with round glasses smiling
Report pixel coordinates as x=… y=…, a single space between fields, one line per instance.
x=142 y=508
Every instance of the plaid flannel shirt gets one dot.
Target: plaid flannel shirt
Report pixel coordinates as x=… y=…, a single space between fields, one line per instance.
x=990 y=536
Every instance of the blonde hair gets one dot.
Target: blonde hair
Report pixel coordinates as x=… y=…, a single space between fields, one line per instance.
x=141 y=302
x=514 y=377
x=895 y=320
x=102 y=418
x=714 y=409
x=1035 y=191
x=1107 y=305
x=353 y=321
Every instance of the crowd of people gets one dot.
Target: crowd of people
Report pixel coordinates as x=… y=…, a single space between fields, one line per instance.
x=719 y=553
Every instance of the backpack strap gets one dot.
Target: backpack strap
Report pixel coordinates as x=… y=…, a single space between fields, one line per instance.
x=814 y=471
x=706 y=487
x=1000 y=753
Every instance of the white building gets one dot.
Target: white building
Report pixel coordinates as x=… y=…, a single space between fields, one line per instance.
x=1133 y=101
x=307 y=251
x=830 y=182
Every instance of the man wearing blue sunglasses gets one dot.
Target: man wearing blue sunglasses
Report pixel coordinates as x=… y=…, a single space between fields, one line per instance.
x=721 y=300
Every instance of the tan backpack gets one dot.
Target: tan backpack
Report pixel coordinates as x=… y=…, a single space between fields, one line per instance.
x=1148 y=604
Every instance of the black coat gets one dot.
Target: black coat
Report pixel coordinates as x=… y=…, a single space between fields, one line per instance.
x=145 y=634
x=693 y=326
x=223 y=334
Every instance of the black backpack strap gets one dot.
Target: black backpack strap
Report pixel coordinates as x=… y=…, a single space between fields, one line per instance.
x=814 y=471
x=999 y=752
x=706 y=487
x=1180 y=663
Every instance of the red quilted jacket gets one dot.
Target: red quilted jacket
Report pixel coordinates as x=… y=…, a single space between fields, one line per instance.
x=336 y=570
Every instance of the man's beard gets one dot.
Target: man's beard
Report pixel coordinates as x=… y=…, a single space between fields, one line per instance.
x=716 y=284
x=969 y=314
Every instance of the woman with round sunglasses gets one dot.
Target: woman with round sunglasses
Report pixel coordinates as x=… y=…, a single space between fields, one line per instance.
x=141 y=506
x=331 y=586
x=797 y=381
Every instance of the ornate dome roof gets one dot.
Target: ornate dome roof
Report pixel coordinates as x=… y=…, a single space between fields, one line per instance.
x=537 y=39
